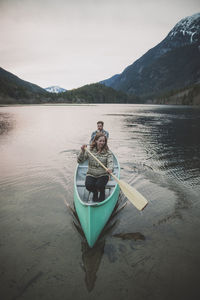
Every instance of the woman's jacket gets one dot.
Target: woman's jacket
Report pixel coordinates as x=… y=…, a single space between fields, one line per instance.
x=94 y=169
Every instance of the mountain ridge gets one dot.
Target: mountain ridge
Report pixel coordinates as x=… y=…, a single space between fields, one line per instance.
x=164 y=73
x=185 y=33
x=14 y=90
x=15 y=79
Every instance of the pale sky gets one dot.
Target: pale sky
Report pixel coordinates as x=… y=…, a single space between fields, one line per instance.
x=71 y=43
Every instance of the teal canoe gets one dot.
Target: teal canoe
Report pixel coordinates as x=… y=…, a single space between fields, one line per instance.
x=93 y=216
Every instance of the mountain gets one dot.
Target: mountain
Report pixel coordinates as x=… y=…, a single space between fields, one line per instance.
x=189 y=95
x=15 y=90
x=172 y=64
x=94 y=93
x=55 y=89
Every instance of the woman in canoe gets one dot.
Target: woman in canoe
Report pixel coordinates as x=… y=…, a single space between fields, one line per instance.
x=97 y=177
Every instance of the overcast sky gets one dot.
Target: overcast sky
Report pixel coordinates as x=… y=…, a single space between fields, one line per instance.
x=71 y=43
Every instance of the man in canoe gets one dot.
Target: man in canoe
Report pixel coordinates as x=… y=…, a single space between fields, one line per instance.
x=97 y=177
x=100 y=125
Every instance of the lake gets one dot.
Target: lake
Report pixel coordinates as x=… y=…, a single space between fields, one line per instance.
x=152 y=254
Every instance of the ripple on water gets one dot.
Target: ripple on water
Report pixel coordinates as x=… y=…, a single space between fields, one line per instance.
x=158 y=151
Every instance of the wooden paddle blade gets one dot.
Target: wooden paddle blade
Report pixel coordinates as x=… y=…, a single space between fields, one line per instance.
x=133 y=195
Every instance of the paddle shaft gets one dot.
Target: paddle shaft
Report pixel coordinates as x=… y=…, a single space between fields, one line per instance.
x=102 y=164
x=132 y=194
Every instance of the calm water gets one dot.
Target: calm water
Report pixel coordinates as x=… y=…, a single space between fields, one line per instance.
x=43 y=256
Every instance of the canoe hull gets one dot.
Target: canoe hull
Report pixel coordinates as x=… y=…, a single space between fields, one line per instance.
x=94 y=216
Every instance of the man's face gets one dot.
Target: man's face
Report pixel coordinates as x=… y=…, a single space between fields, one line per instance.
x=99 y=126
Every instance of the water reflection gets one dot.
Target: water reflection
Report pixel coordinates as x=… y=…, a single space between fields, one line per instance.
x=169 y=139
x=130 y=236
x=170 y=153
x=6 y=123
x=91 y=257
x=183 y=202
x=158 y=150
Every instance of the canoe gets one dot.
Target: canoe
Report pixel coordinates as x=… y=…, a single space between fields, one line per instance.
x=93 y=216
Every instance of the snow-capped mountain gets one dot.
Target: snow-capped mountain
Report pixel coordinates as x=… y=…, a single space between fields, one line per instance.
x=172 y=64
x=188 y=29
x=55 y=89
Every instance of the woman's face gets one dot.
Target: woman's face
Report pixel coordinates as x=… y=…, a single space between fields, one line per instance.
x=101 y=142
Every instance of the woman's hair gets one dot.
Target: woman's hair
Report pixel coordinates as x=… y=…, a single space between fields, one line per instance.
x=94 y=142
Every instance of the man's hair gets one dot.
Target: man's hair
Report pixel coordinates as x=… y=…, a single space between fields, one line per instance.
x=100 y=122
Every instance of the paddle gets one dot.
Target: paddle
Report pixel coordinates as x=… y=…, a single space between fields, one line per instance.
x=132 y=194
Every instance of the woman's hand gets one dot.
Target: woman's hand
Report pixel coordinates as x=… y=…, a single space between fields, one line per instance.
x=83 y=147
x=109 y=171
